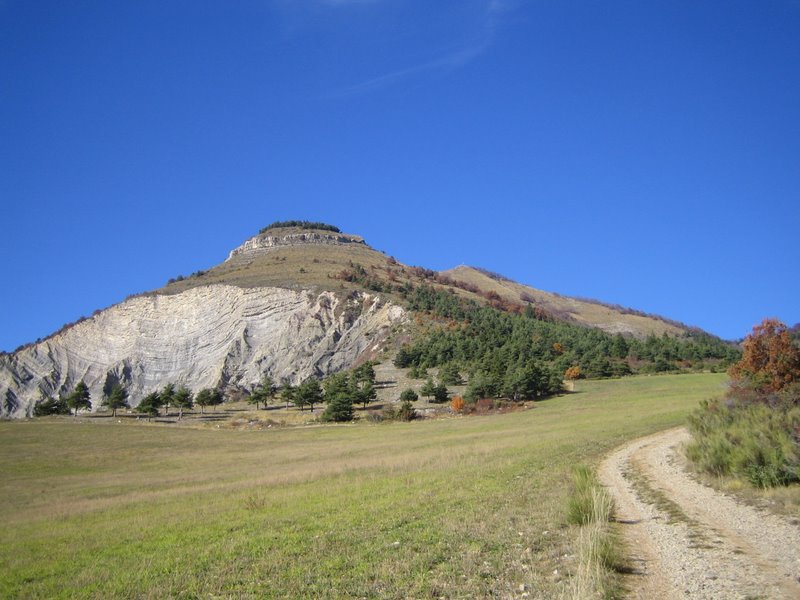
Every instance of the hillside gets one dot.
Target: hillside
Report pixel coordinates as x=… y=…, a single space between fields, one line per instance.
x=613 y=319
x=297 y=258
x=297 y=301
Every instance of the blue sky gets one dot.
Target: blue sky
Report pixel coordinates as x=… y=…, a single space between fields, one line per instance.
x=642 y=153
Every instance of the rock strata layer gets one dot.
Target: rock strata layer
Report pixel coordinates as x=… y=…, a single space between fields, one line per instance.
x=215 y=335
x=264 y=243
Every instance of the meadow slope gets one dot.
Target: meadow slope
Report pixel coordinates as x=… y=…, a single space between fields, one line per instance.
x=455 y=508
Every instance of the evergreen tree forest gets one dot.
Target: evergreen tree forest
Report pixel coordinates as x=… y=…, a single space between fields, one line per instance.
x=526 y=354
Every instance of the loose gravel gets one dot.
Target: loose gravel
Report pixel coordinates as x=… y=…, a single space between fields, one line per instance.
x=696 y=542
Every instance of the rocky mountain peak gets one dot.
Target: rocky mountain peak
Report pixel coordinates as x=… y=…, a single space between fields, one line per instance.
x=281 y=237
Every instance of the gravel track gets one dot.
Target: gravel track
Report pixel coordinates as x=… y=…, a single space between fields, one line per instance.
x=687 y=540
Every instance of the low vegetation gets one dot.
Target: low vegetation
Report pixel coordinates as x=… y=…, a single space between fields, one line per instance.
x=301 y=225
x=598 y=549
x=753 y=432
x=453 y=508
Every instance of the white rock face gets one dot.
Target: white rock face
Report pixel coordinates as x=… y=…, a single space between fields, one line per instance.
x=265 y=242
x=203 y=337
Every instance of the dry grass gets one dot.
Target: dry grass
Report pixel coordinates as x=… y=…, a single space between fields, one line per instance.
x=781 y=500
x=454 y=508
x=294 y=267
x=599 y=551
x=580 y=311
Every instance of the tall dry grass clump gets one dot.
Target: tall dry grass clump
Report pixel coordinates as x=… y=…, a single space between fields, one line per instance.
x=599 y=557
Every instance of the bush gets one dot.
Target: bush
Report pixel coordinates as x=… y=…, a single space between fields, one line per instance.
x=339 y=410
x=406 y=412
x=752 y=441
x=409 y=395
x=50 y=406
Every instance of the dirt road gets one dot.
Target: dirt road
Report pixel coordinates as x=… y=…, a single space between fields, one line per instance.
x=689 y=541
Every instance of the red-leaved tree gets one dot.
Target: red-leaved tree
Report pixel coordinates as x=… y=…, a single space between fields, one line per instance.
x=770 y=360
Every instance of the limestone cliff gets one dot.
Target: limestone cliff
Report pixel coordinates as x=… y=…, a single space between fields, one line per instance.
x=268 y=241
x=212 y=335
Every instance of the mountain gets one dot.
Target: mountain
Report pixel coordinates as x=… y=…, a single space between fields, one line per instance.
x=294 y=301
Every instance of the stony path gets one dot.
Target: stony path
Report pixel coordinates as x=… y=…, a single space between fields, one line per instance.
x=687 y=540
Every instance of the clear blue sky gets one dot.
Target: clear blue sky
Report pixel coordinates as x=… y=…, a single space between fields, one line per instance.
x=643 y=153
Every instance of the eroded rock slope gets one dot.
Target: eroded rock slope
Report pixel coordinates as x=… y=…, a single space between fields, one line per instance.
x=205 y=336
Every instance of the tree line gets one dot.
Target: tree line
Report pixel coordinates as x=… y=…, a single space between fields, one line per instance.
x=340 y=392
x=528 y=354
x=117 y=398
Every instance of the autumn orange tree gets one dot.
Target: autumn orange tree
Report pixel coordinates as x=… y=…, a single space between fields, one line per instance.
x=770 y=360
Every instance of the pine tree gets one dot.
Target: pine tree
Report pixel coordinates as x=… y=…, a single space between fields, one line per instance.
x=338 y=392
x=118 y=398
x=309 y=392
x=406 y=411
x=51 y=406
x=409 y=395
x=339 y=409
x=205 y=397
x=448 y=374
x=167 y=397
x=263 y=393
x=182 y=399
x=440 y=393
x=149 y=405
x=428 y=389
x=79 y=398
x=287 y=394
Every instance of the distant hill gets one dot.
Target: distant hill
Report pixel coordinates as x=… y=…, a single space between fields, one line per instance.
x=610 y=318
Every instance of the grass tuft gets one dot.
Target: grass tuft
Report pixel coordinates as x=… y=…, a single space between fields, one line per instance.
x=599 y=555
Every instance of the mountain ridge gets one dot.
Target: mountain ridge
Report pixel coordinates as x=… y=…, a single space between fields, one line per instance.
x=290 y=301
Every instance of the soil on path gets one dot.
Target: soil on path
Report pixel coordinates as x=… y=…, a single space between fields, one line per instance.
x=687 y=540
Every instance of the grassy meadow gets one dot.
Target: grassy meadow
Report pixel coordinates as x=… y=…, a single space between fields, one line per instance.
x=468 y=507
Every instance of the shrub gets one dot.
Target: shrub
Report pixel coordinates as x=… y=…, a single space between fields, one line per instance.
x=752 y=441
x=409 y=395
x=50 y=406
x=457 y=404
x=406 y=412
x=416 y=372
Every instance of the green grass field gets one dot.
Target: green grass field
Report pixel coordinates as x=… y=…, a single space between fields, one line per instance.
x=455 y=508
